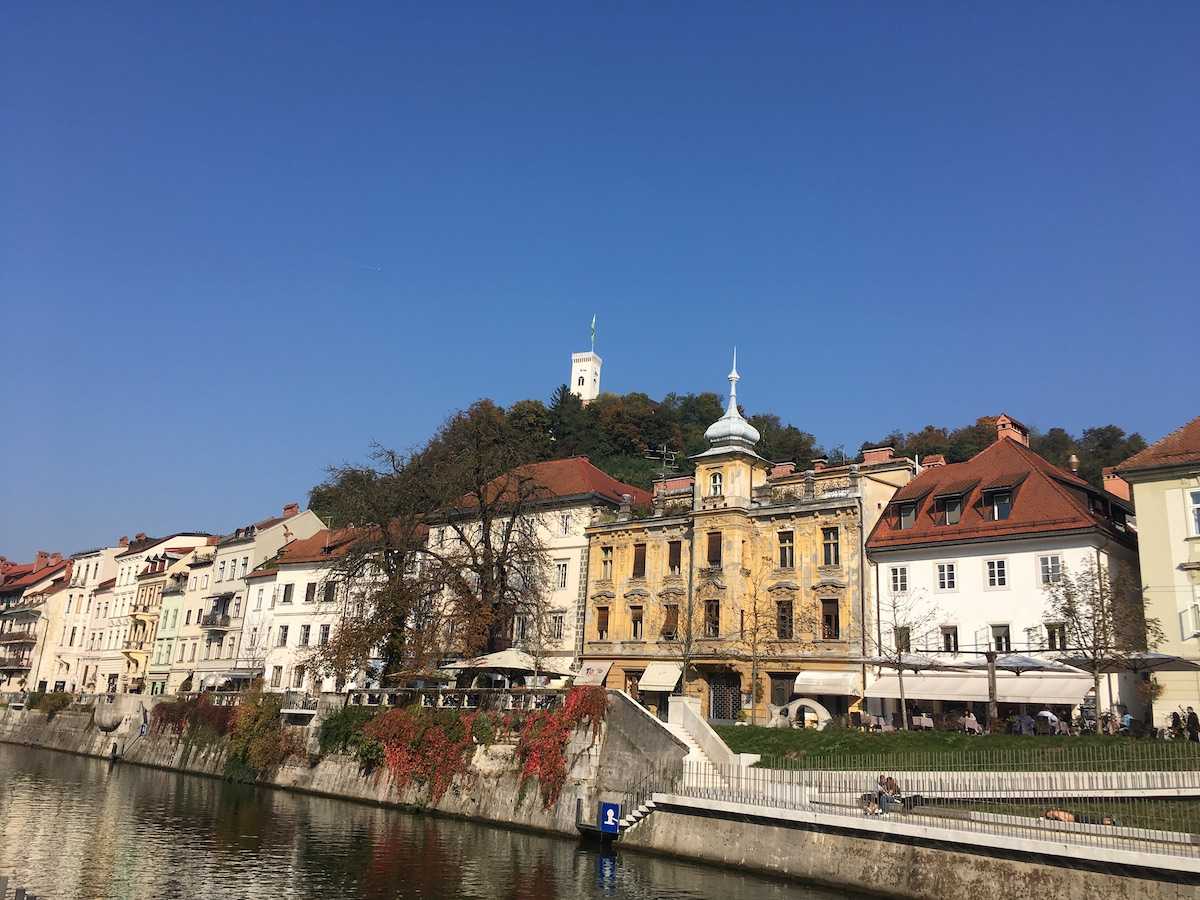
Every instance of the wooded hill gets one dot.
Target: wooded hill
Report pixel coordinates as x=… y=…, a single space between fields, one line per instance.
x=618 y=432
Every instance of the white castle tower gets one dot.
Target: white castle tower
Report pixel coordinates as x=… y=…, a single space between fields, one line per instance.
x=585 y=372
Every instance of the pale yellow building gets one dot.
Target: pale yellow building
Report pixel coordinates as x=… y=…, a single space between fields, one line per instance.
x=1166 y=498
x=750 y=573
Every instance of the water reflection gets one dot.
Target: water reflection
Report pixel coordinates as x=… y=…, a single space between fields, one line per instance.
x=77 y=828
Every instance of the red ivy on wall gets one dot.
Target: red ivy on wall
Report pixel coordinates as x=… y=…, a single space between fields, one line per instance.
x=544 y=736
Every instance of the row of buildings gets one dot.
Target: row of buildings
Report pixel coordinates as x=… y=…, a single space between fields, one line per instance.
x=747 y=584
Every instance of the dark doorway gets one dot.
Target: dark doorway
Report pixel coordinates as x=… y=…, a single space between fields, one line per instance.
x=781 y=689
x=725 y=695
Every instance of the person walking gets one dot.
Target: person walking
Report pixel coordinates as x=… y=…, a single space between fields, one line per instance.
x=1193 y=725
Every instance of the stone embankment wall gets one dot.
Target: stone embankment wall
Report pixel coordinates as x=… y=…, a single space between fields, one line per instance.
x=629 y=743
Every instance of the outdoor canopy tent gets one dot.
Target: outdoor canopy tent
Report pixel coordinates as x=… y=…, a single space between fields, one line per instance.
x=593 y=673
x=832 y=683
x=660 y=676
x=514 y=661
x=1059 y=689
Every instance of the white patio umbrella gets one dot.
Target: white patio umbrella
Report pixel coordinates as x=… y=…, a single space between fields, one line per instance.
x=1137 y=662
x=513 y=660
x=1019 y=664
x=916 y=662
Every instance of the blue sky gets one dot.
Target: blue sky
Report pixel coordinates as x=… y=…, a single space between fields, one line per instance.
x=239 y=245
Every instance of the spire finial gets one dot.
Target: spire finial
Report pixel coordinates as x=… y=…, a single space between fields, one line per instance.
x=733 y=380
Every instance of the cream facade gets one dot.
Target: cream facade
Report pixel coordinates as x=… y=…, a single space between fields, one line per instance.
x=225 y=661
x=73 y=665
x=1166 y=496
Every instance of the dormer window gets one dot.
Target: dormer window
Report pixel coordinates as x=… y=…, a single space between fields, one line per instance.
x=715 y=484
x=1000 y=503
x=908 y=515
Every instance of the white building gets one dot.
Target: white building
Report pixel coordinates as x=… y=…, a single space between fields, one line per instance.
x=575 y=492
x=71 y=667
x=25 y=596
x=973 y=544
x=585 y=375
x=224 y=660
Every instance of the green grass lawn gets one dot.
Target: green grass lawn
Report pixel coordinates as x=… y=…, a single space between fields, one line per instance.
x=808 y=748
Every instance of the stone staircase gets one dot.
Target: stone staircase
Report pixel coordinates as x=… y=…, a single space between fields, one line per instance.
x=699 y=766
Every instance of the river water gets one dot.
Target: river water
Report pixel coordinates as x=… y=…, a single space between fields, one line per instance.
x=75 y=827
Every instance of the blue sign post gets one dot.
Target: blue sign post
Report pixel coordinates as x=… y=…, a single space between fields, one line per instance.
x=610 y=818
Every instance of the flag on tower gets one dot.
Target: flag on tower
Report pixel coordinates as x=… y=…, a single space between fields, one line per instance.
x=593 y=332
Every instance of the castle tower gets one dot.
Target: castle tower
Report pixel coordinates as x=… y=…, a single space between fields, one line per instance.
x=585 y=372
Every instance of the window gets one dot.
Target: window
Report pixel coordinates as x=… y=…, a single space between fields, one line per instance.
x=237 y=606
x=950 y=638
x=276 y=676
x=283 y=633
x=831 y=620
x=1001 y=505
x=221 y=571
x=670 y=628
x=1001 y=641
x=560 y=574
x=192 y=652
x=639 y=560
x=323 y=636
x=997 y=573
x=783 y=620
x=635 y=623
x=947 y=576
x=787 y=550
x=192 y=583
x=556 y=626
x=1195 y=516
x=1056 y=636
x=187 y=619
x=564 y=524
x=899 y=579
x=298 y=677
x=229 y=648
x=305 y=632
x=712 y=618
x=674 y=557
x=72 y=644
x=287 y=593
x=253 y=637
x=204 y=587
x=602 y=623
x=903 y=640
x=908 y=515
x=606 y=558
x=580 y=382
x=950 y=509
x=1050 y=568
x=714 y=484
x=714 y=548
x=833 y=553
x=180 y=654
x=310 y=592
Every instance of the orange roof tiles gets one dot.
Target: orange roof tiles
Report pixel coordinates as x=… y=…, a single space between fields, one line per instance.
x=1180 y=447
x=573 y=477
x=1045 y=499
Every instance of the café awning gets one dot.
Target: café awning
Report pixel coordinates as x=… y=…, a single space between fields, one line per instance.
x=660 y=676
x=818 y=682
x=593 y=672
x=1030 y=688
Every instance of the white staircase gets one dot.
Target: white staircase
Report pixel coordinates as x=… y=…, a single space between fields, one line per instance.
x=696 y=758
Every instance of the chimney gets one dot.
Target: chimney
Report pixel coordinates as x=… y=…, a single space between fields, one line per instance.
x=1115 y=484
x=1008 y=427
x=42 y=560
x=292 y=509
x=933 y=461
x=213 y=540
x=124 y=541
x=1073 y=463
x=140 y=536
x=55 y=558
x=626 y=511
x=780 y=469
x=819 y=463
x=873 y=455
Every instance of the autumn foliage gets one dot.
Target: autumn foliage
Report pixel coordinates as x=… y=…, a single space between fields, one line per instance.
x=427 y=747
x=541 y=749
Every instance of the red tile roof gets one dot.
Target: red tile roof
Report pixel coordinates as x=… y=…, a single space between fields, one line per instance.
x=1180 y=447
x=1046 y=499
x=106 y=584
x=33 y=577
x=573 y=477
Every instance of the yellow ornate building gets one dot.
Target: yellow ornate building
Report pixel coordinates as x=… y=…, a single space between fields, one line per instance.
x=748 y=574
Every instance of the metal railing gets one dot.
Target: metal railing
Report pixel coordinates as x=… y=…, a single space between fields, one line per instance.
x=215 y=620
x=515 y=699
x=1146 y=801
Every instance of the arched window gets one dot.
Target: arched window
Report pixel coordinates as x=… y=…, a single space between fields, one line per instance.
x=581 y=381
x=714 y=484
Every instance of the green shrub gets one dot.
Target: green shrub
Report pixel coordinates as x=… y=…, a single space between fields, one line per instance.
x=33 y=700
x=258 y=742
x=54 y=703
x=341 y=731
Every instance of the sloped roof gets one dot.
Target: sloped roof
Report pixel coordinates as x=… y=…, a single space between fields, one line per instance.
x=1046 y=499
x=324 y=546
x=146 y=543
x=562 y=478
x=1180 y=447
x=33 y=577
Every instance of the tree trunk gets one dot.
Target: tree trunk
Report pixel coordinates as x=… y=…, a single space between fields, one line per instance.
x=903 y=702
x=993 y=706
x=1096 y=688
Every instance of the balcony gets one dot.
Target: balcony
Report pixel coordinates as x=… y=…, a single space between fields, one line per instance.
x=18 y=637
x=215 y=621
x=13 y=663
x=146 y=611
x=140 y=648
